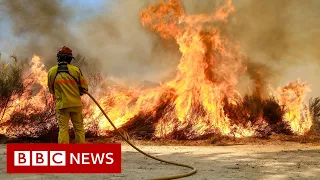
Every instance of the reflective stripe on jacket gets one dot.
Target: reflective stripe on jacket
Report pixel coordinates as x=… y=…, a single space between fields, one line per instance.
x=65 y=87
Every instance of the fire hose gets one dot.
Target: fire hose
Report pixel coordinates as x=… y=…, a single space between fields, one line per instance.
x=194 y=170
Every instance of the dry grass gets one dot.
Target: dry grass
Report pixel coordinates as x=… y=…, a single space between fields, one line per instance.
x=30 y=123
x=253 y=109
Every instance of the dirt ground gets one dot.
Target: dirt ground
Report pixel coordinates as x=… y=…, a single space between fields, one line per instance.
x=285 y=160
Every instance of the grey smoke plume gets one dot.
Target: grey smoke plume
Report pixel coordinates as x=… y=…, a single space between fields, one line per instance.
x=113 y=38
x=39 y=27
x=124 y=47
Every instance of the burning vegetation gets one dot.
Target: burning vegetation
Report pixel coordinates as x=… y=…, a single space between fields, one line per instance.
x=200 y=101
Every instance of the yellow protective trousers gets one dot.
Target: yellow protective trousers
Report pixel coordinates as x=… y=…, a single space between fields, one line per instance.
x=63 y=116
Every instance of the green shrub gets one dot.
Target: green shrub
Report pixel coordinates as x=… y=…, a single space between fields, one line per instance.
x=314 y=106
x=11 y=83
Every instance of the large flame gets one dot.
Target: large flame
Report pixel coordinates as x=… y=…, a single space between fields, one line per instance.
x=298 y=115
x=191 y=102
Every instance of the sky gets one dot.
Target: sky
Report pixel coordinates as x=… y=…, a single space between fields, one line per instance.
x=88 y=3
x=86 y=7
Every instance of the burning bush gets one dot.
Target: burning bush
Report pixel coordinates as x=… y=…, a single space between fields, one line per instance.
x=199 y=101
x=258 y=112
x=250 y=115
x=27 y=108
x=24 y=115
x=11 y=83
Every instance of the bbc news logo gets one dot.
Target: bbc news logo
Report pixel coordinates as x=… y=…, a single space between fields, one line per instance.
x=58 y=158
x=39 y=158
x=63 y=158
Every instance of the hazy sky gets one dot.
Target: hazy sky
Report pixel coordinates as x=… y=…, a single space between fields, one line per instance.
x=82 y=9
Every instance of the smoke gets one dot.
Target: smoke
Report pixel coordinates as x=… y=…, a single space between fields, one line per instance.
x=280 y=37
x=284 y=34
x=126 y=49
x=113 y=38
x=260 y=74
x=38 y=27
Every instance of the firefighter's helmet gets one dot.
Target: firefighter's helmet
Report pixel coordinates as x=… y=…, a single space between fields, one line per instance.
x=64 y=54
x=64 y=51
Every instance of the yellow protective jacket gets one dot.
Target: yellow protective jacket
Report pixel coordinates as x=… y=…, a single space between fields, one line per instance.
x=64 y=84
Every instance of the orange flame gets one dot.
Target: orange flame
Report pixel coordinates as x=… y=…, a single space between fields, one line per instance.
x=298 y=115
x=193 y=101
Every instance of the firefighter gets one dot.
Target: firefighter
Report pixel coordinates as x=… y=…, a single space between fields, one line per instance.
x=67 y=84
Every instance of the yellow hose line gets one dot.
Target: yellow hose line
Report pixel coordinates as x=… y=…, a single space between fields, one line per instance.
x=194 y=170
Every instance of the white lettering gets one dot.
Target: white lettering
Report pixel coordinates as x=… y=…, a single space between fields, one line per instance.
x=58 y=158
x=91 y=158
x=39 y=158
x=85 y=158
x=22 y=158
x=96 y=158
x=76 y=159
x=110 y=158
